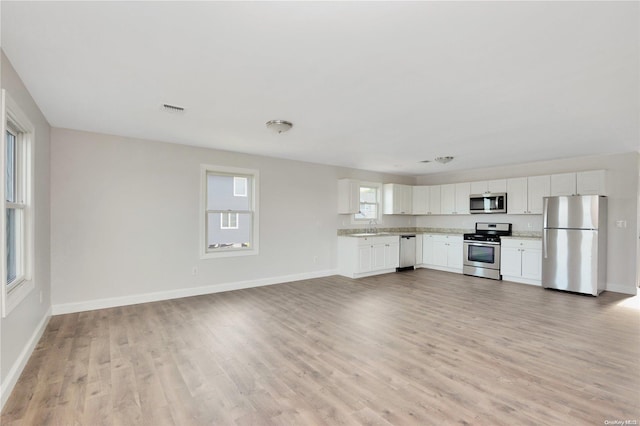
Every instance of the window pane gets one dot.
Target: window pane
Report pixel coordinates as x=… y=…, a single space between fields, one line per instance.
x=240 y=186
x=219 y=238
x=368 y=195
x=14 y=227
x=367 y=211
x=220 y=194
x=10 y=172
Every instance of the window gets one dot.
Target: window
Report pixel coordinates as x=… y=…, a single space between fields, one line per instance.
x=239 y=186
x=230 y=219
x=369 y=202
x=16 y=220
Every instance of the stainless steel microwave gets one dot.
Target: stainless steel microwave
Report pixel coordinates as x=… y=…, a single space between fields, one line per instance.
x=488 y=203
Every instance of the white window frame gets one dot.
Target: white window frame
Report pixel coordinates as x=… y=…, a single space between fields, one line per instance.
x=205 y=252
x=237 y=193
x=378 y=219
x=13 y=118
x=228 y=216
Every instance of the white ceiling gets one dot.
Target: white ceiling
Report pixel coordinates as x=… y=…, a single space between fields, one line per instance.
x=377 y=86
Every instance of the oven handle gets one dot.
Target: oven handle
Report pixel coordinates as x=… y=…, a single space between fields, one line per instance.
x=480 y=243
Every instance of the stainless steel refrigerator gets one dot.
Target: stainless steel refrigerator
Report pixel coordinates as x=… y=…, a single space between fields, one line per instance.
x=574 y=243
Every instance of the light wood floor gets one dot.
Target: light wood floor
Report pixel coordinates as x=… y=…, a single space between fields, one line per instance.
x=422 y=347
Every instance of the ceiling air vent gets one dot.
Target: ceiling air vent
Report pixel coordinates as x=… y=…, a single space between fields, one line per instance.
x=172 y=108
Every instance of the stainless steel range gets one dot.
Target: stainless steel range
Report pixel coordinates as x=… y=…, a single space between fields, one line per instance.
x=482 y=250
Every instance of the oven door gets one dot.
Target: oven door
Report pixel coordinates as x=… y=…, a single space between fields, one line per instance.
x=482 y=254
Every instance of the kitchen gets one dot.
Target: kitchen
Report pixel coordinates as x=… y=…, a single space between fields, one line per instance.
x=521 y=252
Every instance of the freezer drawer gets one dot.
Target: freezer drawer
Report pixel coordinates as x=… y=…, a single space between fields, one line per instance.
x=570 y=261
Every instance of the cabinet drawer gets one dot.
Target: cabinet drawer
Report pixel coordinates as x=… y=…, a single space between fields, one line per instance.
x=447 y=238
x=523 y=244
x=364 y=241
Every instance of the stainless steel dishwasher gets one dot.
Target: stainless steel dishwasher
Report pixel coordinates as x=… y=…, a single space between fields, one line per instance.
x=407 y=251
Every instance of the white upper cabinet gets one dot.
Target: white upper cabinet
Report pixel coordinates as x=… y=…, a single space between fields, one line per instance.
x=463 y=190
x=524 y=195
x=397 y=198
x=434 y=200
x=455 y=198
x=348 y=196
x=591 y=182
x=448 y=198
x=538 y=187
x=489 y=186
x=426 y=200
x=563 y=184
x=517 y=196
x=420 y=200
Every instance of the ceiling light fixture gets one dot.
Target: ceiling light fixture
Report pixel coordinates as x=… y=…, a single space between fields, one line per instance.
x=279 y=126
x=443 y=160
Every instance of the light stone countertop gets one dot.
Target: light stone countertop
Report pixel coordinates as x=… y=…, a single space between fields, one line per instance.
x=381 y=232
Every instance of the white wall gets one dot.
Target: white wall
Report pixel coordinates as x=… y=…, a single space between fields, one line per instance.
x=125 y=220
x=622 y=189
x=20 y=329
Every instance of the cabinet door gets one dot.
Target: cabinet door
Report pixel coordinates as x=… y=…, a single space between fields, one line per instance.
x=434 y=200
x=538 y=188
x=364 y=258
x=497 y=186
x=420 y=200
x=454 y=255
x=563 y=184
x=448 y=198
x=427 y=250
x=510 y=261
x=406 y=199
x=479 y=187
x=462 y=198
x=532 y=264
x=517 y=196
x=391 y=255
x=440 y=253
x=591 y=182
x=377 y=257
x=348 y=196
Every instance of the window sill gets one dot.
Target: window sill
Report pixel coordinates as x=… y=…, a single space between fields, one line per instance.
x=16 y=295
x=229 y=253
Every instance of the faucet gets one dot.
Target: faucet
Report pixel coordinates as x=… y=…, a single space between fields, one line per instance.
x=372 y=229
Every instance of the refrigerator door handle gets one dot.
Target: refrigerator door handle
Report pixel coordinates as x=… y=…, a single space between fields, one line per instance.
x=544 y=243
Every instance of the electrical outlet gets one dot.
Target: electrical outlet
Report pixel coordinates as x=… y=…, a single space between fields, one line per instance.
x=621 y=223
x=194 y=271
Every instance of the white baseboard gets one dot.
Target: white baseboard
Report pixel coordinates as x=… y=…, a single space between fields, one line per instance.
x=21 y=362
x=622 y=288
x=112 y=302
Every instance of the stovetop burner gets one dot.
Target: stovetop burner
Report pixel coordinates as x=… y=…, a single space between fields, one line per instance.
x=489 y=232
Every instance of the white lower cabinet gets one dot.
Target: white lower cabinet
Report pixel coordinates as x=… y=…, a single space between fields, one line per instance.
x=443 y=252
x=364 y=256
x=521 y=260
